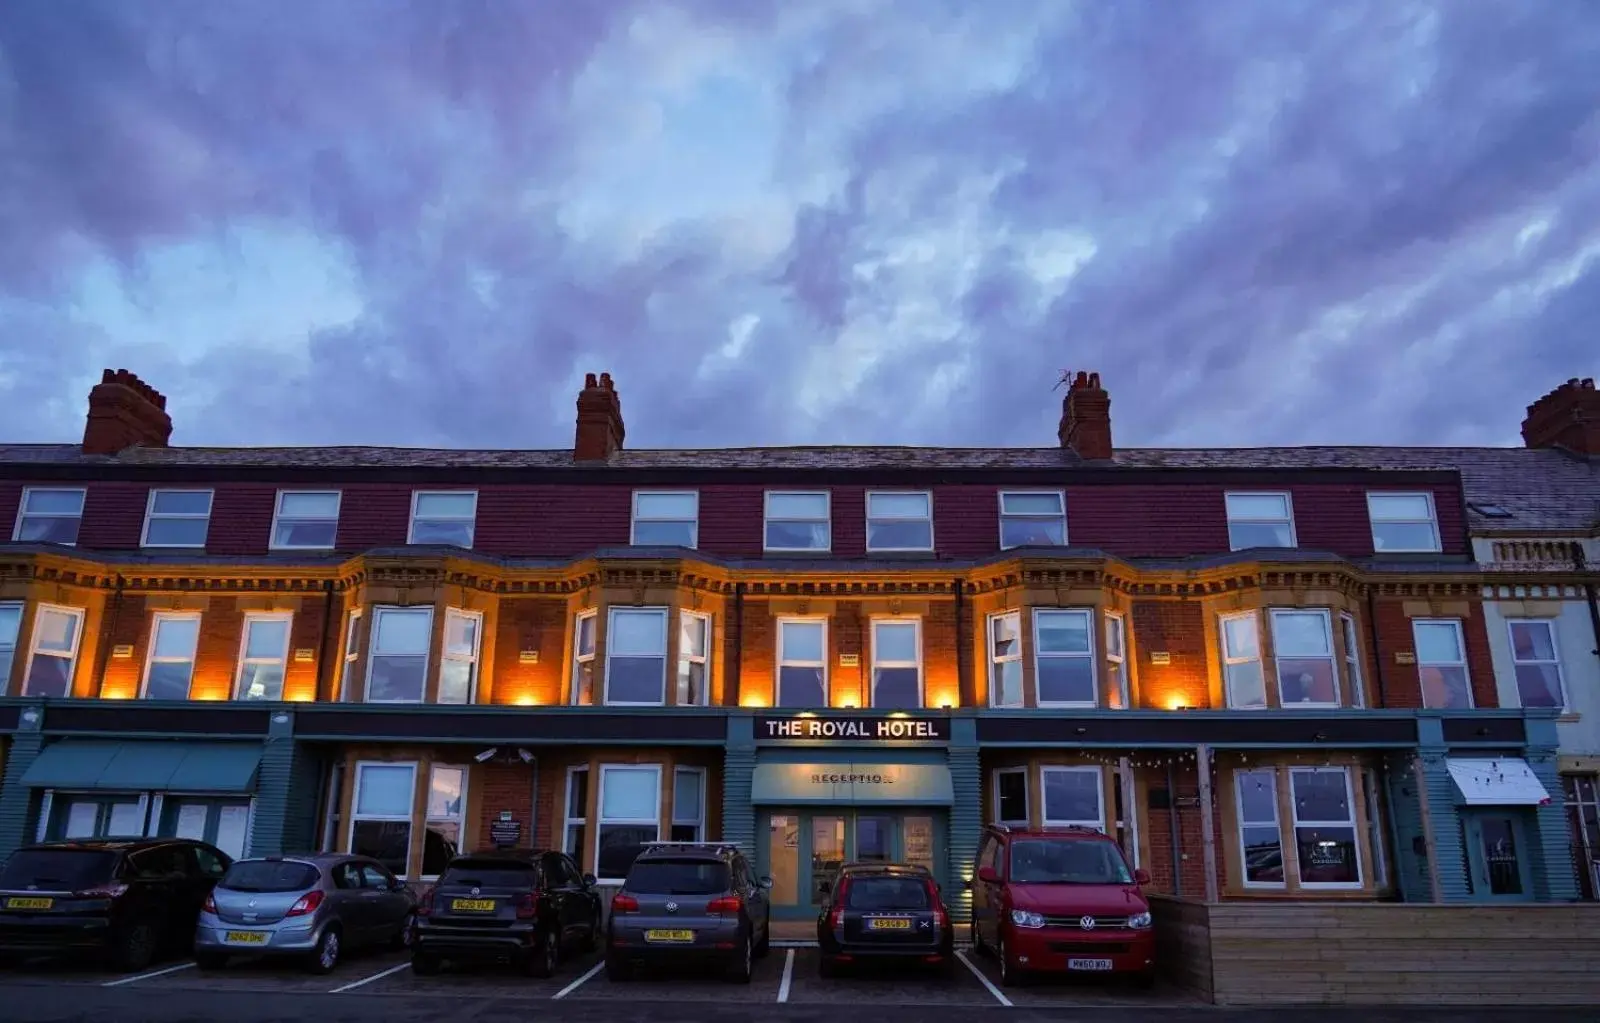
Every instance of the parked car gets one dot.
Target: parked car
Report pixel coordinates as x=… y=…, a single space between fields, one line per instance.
x=532 y=908
x=885 y=912
x=131 y=900
x=315 y=907
x=1060 y=901
x=690 y=902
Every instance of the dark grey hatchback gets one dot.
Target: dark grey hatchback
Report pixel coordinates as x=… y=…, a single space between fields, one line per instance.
x=686 y=902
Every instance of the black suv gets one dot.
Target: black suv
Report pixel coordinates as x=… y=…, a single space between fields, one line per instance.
x=131 y=899
x=687 y=901
x=529 y=907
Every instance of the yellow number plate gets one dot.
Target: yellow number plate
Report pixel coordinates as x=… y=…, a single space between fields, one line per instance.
x=668 y=935
x=890 y=925
x=245 y=937
x=30 y=903
x=473 y=905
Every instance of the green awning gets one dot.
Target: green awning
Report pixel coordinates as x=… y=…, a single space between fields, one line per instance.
x=97 y=765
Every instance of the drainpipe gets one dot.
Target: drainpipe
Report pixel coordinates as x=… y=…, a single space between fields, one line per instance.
x=964 y=685
x=1377 y=651
x=533 y=810
x=327 y=657
x=103 y=656
x=1172 y=822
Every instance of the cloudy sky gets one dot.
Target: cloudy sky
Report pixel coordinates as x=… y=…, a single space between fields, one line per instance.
x=811 y=221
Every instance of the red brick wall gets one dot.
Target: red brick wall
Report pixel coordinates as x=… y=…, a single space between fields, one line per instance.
x=530 y=623
x=1402 y=680
x=510 y=787
x=1178 y=628
x=1191 y=842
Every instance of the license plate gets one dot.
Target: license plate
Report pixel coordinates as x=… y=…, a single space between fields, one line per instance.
x=668 y=935
x=245 y=937
x=21 y=903
x=472 y=905
x=889 y=925
x=1089 y=964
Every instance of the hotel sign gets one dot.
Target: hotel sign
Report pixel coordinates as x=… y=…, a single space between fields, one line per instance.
x=850 y=728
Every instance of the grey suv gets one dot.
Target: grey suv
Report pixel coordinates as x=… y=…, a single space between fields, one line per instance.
x=687 y=902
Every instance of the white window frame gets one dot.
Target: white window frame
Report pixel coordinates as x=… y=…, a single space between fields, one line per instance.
x=250 y=618
x=410 y=817
x=1461 y=644
x=1554 y=661
x=636 y=518
x=1061 y=503
x=150 y=658
x=686 y=658
x=1046 y=822
x=579 y=658
x=1354 y=676
x=1230 y=660
x=473 y=660
x=1278 y=657
x=1286 y=520
x=470 y=520
x=278 y=519
x=784 y=660
x=699 y=822
x=611 y=620
x=352 y=650
x=826 y=521
x=1355 y=830
x=460 y=820
x=916 y=627
x=149 y=515
x=22 y=510
x=79 y=615
x=1432 y=521
x=927 y=495
x=8 y=644
x=1240 y=824
x=1089 y=617
x=601 y=820
x=1027 y=798
x=378 y=611
x=995 y=662
x=49 y=797
x=1115 y=622
x=568 y=821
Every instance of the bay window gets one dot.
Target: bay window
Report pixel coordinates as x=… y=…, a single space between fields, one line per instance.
x=583 y=638
x=802 y=662
x=897 y=663
x=397 y=665
x=458 y=656
x=630 y=816
x=1352 y=660
x=1241 y=661
x=636 y=657
x=1117 y=661
x=1063 y=665
x=1260 y=839
x=53 y=654
x=10 y=628
x=352 y=650
x=694 y=659
x=380 y=813
x=1005 y=659
x=1302 y=647
x=169 y=666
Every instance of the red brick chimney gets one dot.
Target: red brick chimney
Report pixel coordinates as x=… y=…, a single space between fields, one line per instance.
x=125 y=412
x=1568 y=417
x=600 y=429
x=1086 y=417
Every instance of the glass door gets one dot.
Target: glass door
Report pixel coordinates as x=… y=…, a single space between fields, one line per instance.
x=783 y=858
x=1497 y=856
x=916 y=842
x=875 y=838
x=827 y=855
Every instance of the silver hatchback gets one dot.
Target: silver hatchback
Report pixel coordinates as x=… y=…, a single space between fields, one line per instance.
x=312 y=907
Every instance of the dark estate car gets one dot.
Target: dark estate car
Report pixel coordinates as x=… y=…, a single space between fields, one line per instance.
x=529 y=907
x=130 y=899
x=884 y=911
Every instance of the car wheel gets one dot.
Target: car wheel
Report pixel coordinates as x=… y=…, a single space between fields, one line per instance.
x=617 y=968
x=1010 y=974
x=764 y=946
x=740 y=970
x=209 y=961
x=402 y=937
x=424 y=964
x=977 y=937
x=136 y=949
x=325 y=957
x=545 y=955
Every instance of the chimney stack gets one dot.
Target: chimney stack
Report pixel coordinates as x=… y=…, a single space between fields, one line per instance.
x=125 y=412
x=1568 y=417
x=1086 y=417
x=600 y=429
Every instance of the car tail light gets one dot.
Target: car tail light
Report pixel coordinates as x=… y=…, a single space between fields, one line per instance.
x=102 y=891
x=306 y=903
x=527 y=906
x=624 y=904
x=425 y=903
x=730 y=904
x=941 y=917
x=210 y=904
x=836 y=918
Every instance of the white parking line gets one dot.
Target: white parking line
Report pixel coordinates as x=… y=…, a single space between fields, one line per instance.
x=788 y=975
x=1002 y=999
x=575 y=985
x=368 y=980
x=147 y=976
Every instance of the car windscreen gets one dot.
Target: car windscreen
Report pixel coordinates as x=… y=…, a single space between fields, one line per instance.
x=58 y=870
x=491 y=874
x=887 y=893
x=678 y=877
x=269 y=876
x=1067 y=861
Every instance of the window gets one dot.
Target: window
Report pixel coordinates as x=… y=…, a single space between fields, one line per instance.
x=1325 y=827
x=1117 y=660
x=636 y=656
x=107 y=816
x=54 y=652
x=1402 y=522
x=1260 y=839
x=49 y=515
x=352 y=650
x=397 y=663
x=1063 y=662
x=802 y=662
x=1073 y=797
x=177 y=518
x=577 y=811
x=305 y=520
x=1260 y=520
x=458 y=656
x=263 y=656
x=1352 y=660
x=897 y=663
x=1441 y=663
x=666 y=518
x=445 y=517
x=630 y=816
x=583 y=659
x=798 y=521
x=694 y=659
x=447 y=801
x=899 y=521
x=380 y=815
x=1005 y=659
x=10 y=627
x=1033 y=519
x=169 y=666
x=1241 y=661
x=1302 y=647
x=1011 y=797
x=1536 y=661
x=688 y=804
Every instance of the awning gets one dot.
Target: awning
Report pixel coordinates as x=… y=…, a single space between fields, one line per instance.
x=807 y=784
x=1497 y=781
x=97 y=765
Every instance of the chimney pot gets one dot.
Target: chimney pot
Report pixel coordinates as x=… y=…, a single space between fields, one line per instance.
x=1567 y=417
x=600 y=431
x=125 y=412
x=1086 y=418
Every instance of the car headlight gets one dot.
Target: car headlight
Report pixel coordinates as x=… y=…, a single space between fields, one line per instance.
x=1139 y=920
x=1023 y=918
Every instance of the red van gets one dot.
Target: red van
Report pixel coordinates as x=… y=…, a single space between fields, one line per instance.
x=1063 y=900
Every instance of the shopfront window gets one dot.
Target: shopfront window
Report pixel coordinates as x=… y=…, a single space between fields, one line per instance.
x=1011 y=797
x=630 y=816
x=636 y=657
x=897 y=664
x=577 y=813
x=397 y=670
x=1260 y=841
x=1325 y=827
x=170 y=667
x=1005 y=660
x=447 y=800
x=802 y=662
x=113 y=815
x=263 y=656
x=380 y=816
x=1073 y=797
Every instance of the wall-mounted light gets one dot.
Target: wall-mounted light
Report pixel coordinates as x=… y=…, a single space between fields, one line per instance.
x=487 y=755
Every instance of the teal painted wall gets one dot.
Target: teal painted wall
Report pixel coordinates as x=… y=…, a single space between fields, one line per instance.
x=19 y=805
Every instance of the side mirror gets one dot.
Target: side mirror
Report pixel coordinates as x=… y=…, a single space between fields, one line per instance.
x=765 y=882
x=1141 y=876
x=588 y=881
x=988 y=875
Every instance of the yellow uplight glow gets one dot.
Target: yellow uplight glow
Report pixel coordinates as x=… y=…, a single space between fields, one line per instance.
x=1176 y=703
x=752 y=700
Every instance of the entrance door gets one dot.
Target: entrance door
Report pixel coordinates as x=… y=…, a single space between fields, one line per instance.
x=827 y=855
x=803 y=851
x=1497 y=856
